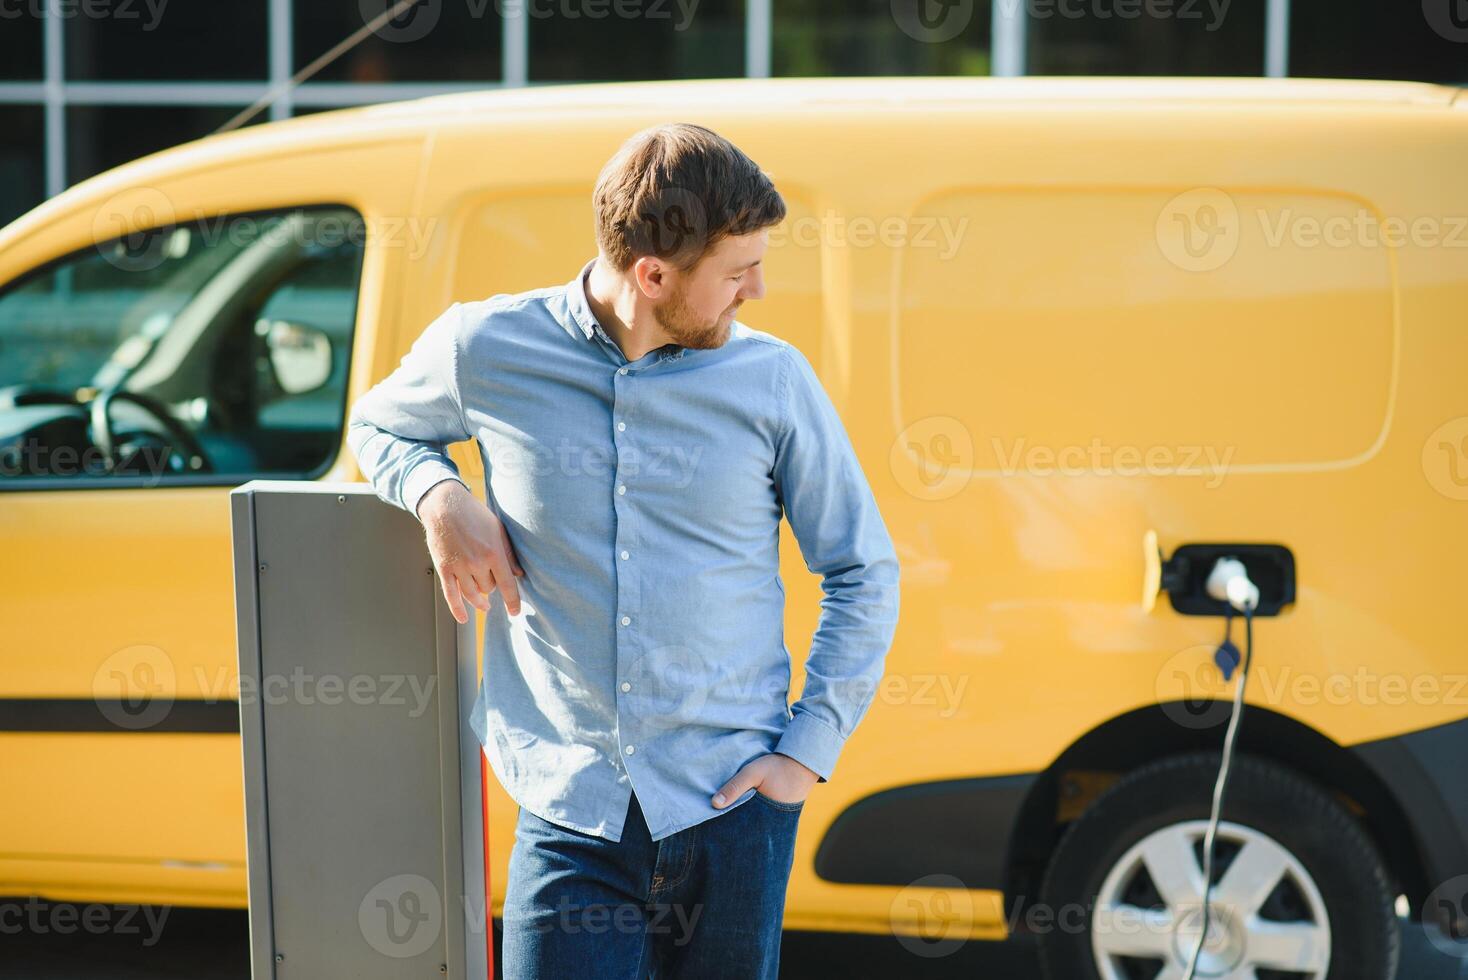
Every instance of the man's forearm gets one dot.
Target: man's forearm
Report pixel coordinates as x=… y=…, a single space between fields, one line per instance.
x=846 y=662
x=402 y=471
x=843 y=538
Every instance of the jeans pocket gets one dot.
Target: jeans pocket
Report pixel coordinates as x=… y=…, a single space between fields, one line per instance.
x=780 y=804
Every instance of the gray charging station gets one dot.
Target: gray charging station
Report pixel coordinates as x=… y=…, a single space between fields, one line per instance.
x=363 y=780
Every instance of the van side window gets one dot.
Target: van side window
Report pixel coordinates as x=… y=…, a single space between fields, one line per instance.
x=206 y=352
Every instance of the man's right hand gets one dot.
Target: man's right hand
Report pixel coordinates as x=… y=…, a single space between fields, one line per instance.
x=471 y=549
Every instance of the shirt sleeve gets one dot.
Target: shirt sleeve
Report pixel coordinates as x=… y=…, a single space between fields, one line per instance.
x=399 y=429
x=842 y=538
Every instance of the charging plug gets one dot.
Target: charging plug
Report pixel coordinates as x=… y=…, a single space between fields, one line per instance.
x=1229 y=582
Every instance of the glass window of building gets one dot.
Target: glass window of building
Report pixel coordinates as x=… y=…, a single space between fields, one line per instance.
x=432 y=41
x=881 y=37
x=20 y=42
x=1425 y=42
x=99 y=137
x=1146 y=37
x=147 y=42
x=630 y=41
x=22 y=180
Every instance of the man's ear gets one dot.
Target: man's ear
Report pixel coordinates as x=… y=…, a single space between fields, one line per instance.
x=651 y=275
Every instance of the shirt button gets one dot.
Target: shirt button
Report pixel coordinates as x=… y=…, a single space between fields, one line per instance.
x=621 y=370
x=621 y=426
x=626 y=620
x=631 y=749
x=625 y=556
x=622 y=488
x=626 y=686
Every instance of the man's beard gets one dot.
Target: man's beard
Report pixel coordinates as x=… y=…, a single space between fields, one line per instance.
x=687 y=329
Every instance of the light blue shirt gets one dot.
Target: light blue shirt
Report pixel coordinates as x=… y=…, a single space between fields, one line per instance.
x=643 y=499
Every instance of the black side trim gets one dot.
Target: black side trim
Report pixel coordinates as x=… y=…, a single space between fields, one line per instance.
x=1424 y=770
x=957 y=827
x=118 y=716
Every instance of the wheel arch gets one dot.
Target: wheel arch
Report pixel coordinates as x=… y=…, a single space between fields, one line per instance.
x=1145 y=735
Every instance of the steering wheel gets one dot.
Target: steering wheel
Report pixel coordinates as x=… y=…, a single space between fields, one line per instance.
x=105 y=437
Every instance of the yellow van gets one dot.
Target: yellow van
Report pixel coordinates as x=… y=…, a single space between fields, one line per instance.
x=1087 y=336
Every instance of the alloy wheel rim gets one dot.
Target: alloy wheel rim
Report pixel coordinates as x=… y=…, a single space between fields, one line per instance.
x=1265 y=910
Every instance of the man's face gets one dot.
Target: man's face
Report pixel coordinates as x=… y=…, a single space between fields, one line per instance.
x=699 y=312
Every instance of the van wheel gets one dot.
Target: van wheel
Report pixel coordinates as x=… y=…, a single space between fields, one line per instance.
x=1299 y=891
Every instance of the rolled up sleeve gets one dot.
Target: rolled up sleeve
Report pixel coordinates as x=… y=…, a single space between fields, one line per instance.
x=842 y=537
x=399 y=430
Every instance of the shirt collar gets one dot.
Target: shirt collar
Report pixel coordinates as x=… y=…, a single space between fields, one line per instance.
x=577 y=304
x=579 y=309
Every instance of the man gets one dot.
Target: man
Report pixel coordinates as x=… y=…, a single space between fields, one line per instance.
x=640 y=446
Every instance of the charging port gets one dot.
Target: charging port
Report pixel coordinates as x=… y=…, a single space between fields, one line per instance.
x=1271 y=567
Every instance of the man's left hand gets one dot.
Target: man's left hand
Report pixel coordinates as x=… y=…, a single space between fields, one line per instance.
x=777 y=776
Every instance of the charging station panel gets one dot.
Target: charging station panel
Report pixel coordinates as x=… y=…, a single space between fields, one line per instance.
x=363 y=799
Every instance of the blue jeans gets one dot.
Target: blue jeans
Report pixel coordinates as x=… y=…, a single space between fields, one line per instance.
x=704 y=903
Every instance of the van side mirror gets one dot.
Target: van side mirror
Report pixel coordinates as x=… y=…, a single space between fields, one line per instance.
x=300 y=355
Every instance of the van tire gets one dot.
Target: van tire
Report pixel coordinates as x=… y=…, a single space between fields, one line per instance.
x=1345 y=870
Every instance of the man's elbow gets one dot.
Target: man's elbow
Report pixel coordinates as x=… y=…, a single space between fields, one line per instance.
x=884 y=578
x=359 y=430
x=881 y=569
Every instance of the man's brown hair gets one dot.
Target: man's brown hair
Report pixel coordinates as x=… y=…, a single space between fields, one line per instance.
x=674 y=191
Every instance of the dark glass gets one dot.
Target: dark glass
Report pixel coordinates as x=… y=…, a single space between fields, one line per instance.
x=99 y=137
x=311 y=110
x=148 y=40
x=433 y=41
x=629 y=40
x=880 y=37
x=1146 y=37
x=22 y=155
x=20 y=43
x=223 y=346
x=1425 y=42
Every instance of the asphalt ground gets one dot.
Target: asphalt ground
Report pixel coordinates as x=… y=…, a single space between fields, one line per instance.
x=63 y=941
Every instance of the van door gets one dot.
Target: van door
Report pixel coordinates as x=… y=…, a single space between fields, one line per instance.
x=140 y=379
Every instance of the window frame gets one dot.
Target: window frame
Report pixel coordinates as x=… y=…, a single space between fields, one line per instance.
x=193 y=480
